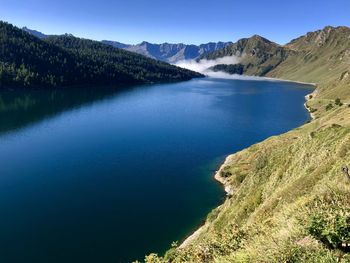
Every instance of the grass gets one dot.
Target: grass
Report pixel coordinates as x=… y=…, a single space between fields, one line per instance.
x=285 y=187
x=291 y=201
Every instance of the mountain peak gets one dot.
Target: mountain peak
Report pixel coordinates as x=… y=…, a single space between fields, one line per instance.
x=259 y=38
x=34 y=33
x=143 y=43
x=329 y=35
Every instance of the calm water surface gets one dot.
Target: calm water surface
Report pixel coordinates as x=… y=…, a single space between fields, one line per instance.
x=96 y=175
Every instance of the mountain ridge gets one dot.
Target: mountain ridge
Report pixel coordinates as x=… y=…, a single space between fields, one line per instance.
x=170 y=52
x=26 y=60
x=167 y=52
x=322 y=55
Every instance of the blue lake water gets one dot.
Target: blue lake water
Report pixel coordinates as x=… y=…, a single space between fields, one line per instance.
x=99 y=175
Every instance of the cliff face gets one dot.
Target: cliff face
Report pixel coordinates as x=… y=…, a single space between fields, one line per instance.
x=289 y=199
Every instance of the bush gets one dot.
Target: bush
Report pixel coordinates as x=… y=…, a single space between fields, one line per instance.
x=225 y=172
x=312 y=110
x=334 y=125
x=332 y=227
x=338 y=102
x=329 y=107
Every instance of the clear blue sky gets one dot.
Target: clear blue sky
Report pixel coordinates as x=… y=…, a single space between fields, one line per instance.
x=188 y=21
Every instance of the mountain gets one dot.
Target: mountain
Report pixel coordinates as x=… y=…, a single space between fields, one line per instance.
x=170 y=53
x=288 y=196
x=35 y=33
x=322 y=56
x=26 y=60
x=115 y=44
x=257 y=55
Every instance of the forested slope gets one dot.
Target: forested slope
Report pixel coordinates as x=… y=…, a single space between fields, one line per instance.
x=26 y=60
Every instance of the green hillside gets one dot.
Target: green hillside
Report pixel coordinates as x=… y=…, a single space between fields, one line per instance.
x=258 y=55
x=289 y=200
x=26 y=60
x=321 y=57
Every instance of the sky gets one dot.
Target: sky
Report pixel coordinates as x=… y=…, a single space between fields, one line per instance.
x=176 y=21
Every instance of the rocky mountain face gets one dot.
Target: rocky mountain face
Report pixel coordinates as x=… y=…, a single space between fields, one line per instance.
x=171 y=53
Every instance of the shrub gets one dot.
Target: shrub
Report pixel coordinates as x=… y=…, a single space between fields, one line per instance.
x=312 y=134
x=334 y=125
x=225 y=172
x=312 y=110
x=331 y=226
x=239 y=178
x=333 y=232
x=338 y=102
x=329 y=107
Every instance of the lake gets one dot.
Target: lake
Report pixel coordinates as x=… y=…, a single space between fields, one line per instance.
x=101 y=175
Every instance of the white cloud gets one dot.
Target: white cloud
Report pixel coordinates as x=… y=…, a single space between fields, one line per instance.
x=203 y=65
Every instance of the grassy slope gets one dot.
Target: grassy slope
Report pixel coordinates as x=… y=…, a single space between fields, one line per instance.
x=291 y=202
x=323 y=57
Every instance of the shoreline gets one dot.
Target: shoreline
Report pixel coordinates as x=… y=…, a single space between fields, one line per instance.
x=292 y=81
x=309 y=97
x=229 y=192
x=227 y=187
x=254 y=78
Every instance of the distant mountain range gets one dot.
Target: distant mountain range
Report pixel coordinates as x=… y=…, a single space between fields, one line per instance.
x=167 y=52
x=171 y=53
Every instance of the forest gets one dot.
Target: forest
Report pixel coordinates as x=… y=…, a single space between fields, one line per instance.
x=65 y=60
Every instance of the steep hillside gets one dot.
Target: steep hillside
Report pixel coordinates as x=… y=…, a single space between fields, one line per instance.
x=288 y=196
x=26 y=60
x=257 y=55
x=289 y=200
x=171 y=53
x=320 y=57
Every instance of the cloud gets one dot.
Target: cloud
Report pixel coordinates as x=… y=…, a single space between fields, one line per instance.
x=203 y=65
x=224 y=75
